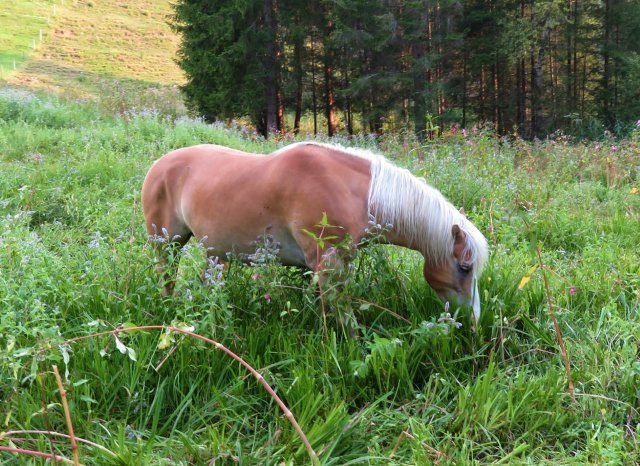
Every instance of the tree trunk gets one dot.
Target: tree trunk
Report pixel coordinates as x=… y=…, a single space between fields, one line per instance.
x=538 y=111
x=522 y=86
x=606 y=74
x=329 y=85
x=569 y=99
x=347 y=104
x=280 y=104
x=314 y=94
x=520 y=97
x=271 y=71
x=418 y=71
x=464 y=87
x=497 y=120
x=330 y=96
x=483 y=95
x=297 y=58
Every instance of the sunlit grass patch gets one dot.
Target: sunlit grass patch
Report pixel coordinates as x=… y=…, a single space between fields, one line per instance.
x=24 y=26
x=120 y=54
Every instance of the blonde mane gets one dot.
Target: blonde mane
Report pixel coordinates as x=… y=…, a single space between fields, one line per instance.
x=416 y=210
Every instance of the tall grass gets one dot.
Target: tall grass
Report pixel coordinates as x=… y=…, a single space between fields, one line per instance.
x=416 y=386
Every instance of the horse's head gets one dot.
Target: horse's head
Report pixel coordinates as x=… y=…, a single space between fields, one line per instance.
x=454 y=279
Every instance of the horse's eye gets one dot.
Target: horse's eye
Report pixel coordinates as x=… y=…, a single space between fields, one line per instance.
x=465 y=268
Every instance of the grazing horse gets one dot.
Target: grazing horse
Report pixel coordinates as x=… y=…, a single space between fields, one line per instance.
x=227 y=199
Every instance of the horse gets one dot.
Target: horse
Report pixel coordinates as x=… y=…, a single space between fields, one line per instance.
x=227 y=199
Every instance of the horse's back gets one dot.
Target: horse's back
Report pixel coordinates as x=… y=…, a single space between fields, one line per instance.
x=233 y=197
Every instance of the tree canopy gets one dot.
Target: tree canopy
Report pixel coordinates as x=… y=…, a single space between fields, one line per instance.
x=527 y=67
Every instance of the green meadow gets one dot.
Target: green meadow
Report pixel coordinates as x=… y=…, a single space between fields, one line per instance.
x=415 y=386
x=376 y=372
x=22 y=23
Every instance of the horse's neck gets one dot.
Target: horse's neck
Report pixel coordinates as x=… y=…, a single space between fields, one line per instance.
x=391 y=236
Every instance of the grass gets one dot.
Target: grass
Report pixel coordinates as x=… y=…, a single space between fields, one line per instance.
x=413 y=388
x=21 y=24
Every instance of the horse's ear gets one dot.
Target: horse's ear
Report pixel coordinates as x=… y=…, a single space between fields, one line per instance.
x=459 y=236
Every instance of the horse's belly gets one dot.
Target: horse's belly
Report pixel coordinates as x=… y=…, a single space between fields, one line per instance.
x=290 y=253
x=255 y=247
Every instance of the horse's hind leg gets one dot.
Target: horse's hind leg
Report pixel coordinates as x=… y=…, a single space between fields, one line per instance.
x=168 y=246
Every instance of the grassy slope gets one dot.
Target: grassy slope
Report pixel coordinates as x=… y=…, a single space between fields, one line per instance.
x=103 y=50
x=20 y=25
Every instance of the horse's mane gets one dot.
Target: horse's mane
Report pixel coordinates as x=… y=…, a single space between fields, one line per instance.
x=415 y=209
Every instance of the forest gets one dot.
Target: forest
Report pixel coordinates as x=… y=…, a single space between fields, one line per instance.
x=522 y=67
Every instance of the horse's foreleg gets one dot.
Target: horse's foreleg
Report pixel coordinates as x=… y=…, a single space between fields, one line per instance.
x=332 y=274
x=168 y=249
x=167 y=260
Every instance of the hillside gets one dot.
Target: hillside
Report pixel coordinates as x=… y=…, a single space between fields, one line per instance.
x=20 y=24
x=94 y=49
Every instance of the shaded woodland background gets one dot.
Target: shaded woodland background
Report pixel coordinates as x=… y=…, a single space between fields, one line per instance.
x=527 y=67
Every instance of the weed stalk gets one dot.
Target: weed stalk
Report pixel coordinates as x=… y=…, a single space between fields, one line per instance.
x=50 y=456
x=67 y=415
x=565 y=357
x=13 y=433
x=45 y=417
x=132 y=238
x=435 y=453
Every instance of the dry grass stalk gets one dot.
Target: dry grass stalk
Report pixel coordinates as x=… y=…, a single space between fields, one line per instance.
x=437 y=455
x=565 y=357
x=67 y=415
x=13 y=433
x=50 y=456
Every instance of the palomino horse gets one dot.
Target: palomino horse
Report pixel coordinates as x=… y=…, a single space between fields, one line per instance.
x=228 y=199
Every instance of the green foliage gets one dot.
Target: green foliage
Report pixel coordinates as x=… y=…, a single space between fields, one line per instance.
x=374 y=61
x=74 y=261
x=223 y=56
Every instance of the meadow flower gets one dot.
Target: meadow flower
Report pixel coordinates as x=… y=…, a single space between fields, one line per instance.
x=267 y=249
x=446 y=317
x=572 y=290
x=96 y=240
x=614 y=148
x=214 y=275
x=36 y=157
x=267 y=298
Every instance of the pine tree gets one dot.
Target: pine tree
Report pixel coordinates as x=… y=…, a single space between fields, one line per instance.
x=229 y=55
